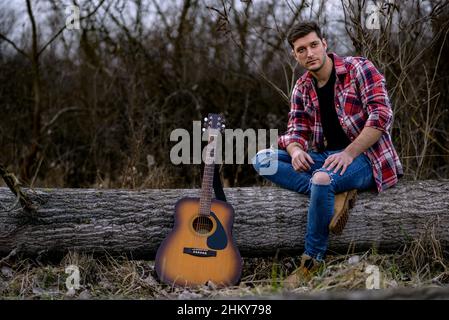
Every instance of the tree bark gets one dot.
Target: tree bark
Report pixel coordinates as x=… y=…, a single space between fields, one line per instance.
x=266 y=219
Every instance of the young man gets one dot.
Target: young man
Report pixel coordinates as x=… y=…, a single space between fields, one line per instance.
x=337 y=140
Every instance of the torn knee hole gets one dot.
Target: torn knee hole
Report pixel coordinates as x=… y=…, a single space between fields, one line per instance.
x=321 y=178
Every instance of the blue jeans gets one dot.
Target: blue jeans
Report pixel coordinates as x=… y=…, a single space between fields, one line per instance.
x=275 y=165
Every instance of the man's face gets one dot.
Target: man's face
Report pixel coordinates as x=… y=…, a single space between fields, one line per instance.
x=310 y=51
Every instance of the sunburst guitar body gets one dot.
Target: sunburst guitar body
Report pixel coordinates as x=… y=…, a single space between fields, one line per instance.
x=200 y=248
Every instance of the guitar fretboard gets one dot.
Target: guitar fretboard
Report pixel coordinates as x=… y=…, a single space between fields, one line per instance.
x=208 y=177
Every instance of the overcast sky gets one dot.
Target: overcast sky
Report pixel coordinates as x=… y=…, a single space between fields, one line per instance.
x=17 y=8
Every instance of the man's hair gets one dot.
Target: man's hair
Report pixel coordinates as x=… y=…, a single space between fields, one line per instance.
x=301 y=30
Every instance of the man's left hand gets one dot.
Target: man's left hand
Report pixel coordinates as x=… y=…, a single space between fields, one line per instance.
x=337 y=161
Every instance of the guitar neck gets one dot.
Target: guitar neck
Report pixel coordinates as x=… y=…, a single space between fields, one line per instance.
x=215 y=125
x=206 y=189
x=208 y=177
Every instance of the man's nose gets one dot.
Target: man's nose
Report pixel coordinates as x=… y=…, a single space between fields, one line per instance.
x=309 y=52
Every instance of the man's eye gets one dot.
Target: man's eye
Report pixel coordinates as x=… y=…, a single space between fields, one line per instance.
x=314 y=45
x=300 y=50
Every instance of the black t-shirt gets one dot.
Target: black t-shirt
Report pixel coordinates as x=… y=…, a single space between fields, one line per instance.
x=332 y=130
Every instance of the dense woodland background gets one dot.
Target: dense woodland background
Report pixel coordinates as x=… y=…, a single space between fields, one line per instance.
x=93 y=107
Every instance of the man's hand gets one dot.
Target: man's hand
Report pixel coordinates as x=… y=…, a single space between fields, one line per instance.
x=338 y=160
x=301 y=160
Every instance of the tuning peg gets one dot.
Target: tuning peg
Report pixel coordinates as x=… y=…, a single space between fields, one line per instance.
x=223 y=125
x=204 y=129
x=205 y=118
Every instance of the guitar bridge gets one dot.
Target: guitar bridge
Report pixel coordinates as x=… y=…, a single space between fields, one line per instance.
x=200 y=252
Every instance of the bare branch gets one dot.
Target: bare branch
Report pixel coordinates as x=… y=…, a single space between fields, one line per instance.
x=10 y=255
x=164 y=20
x=33 y=28
x=14 y=185
x=65 y=26
x=58 y=115
x=130 y=37
x=14 y=45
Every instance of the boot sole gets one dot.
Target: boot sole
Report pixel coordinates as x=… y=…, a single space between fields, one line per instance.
x=338 y=223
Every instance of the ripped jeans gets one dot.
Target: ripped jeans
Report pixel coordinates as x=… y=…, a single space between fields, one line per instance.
x=275 y=165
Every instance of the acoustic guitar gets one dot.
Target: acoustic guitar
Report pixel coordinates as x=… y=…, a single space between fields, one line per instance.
x=200 y=247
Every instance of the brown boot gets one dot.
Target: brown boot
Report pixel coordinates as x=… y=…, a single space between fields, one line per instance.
x=343 y=202
x=304 y=273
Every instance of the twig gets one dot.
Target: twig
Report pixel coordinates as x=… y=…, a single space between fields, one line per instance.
x=11 y=254
x=14 y=45
x=65 y=26
x=58 y=115
x=14 y=185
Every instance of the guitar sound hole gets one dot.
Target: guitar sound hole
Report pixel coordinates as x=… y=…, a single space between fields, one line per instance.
x=202 y=225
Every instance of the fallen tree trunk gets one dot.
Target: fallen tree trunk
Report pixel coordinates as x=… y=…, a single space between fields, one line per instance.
x=266 y=219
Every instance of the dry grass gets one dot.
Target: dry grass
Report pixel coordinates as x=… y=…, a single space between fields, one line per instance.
x=420 y=264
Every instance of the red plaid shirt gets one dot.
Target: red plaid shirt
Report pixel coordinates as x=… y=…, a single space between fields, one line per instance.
x=361 y=100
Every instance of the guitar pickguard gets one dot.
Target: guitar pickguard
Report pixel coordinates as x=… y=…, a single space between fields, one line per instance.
x=218 y=240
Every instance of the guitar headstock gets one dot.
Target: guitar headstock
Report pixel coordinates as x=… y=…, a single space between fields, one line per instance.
x=214 y=123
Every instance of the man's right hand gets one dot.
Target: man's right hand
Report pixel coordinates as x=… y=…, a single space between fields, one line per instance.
x=301 y=160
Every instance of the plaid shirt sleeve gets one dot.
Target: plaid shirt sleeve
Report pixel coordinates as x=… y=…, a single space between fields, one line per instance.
x=298 y=127
x=373 y=94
